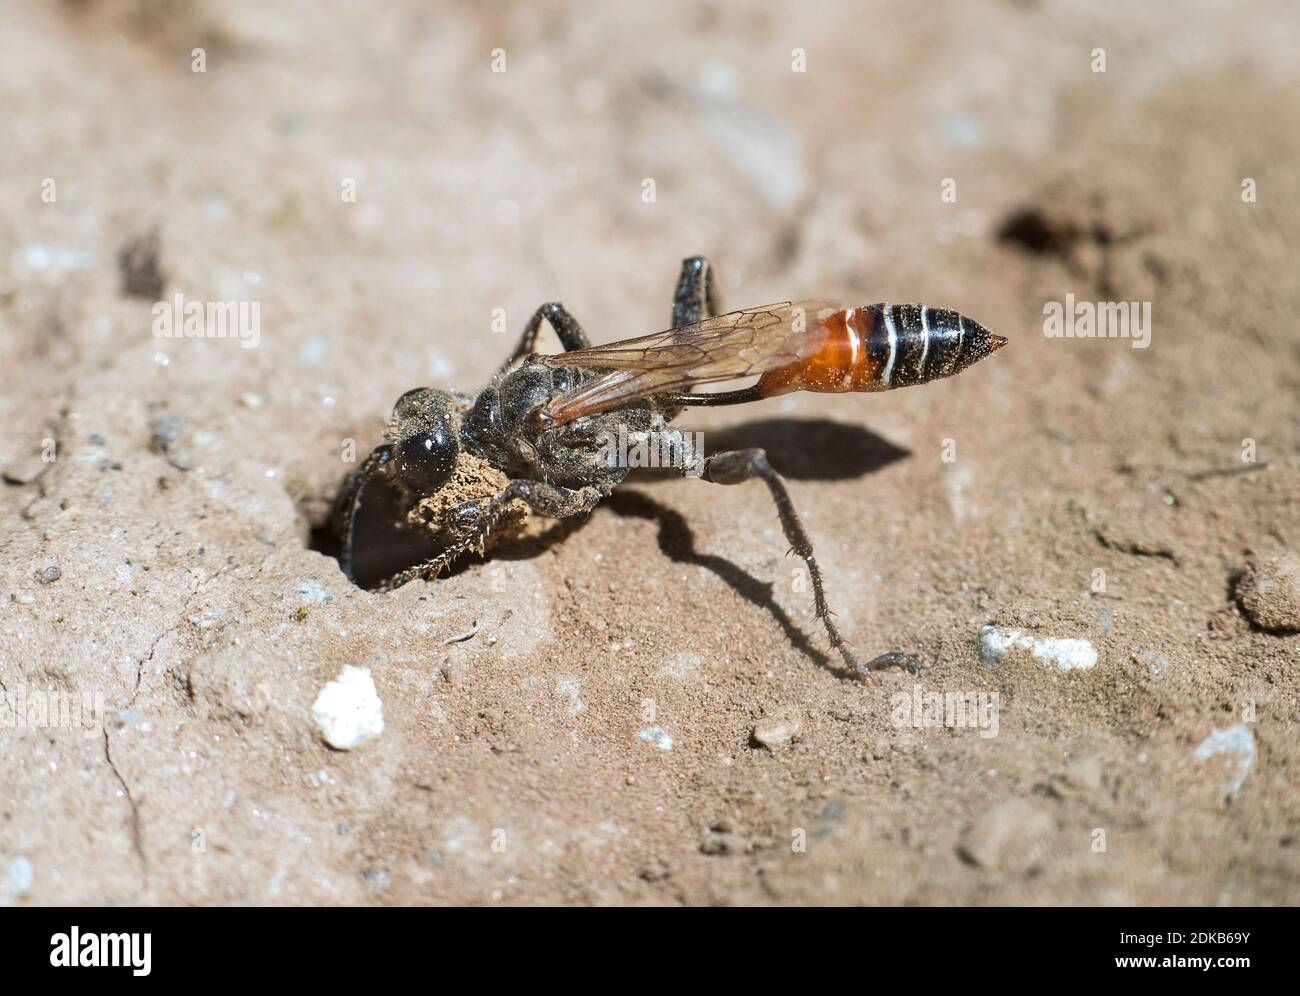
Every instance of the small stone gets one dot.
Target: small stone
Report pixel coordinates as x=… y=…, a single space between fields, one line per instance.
x=1269 y=592
x=1080 y=777
x=1064 y=654
x=348 y=711
x=137 y=263
x=655 y=870
x=134 y=718
x=25 y=471
x=775 y=733
x=1155 y=662
x=832 y=814
x=377 y=879
x=1237 y=745
x=313 y=592
x=164 y=431
x=720 y=842
x=656 y=735
x=51 y=574
x=19 y=877
x=1009 y=836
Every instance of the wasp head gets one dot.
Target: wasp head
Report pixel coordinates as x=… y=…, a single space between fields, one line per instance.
x=425 y=429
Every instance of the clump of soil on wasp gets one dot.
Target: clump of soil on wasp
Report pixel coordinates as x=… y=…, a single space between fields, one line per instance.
x=473 y=479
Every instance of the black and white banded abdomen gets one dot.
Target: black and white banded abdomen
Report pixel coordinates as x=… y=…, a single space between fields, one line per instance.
x=883 y=346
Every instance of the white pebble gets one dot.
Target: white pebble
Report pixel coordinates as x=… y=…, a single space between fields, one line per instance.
x=1237 y=742
x=348 y=711
x=19 y=877
x=1067 y=655
x=314 y=592
x=775 y=733
x=312 y=351
x=656 y=735
x=571 y=688
x=682 y=665
x=55 y=260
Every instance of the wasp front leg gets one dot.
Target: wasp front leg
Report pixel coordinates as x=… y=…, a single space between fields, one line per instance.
x=566 y=327
x=738 y=466
x=477 y=519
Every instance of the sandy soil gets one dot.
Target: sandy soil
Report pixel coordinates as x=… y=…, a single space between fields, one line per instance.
x=1143 y=500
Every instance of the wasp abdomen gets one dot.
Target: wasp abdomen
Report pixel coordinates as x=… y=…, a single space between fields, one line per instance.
x=913 y=343
x=883 y=346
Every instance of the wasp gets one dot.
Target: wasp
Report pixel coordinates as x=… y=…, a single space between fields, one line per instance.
x=472 y=468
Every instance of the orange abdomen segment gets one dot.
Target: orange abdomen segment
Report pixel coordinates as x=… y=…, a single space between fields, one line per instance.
x=883 y=346
x=843 y=361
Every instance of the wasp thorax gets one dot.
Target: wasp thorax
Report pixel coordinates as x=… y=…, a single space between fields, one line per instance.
x=426 y=433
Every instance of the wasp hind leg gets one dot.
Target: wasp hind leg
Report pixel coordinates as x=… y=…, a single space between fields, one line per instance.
x=566 y=327
x=695 y=298
x=477 y=520
x=738 y=466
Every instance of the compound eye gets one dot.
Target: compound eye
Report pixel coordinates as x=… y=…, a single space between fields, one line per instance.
x=408 y=403
x=425 y=461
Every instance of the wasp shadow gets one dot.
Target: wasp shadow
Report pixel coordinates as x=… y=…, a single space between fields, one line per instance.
x=383 y=545
x=678 y=543
x=810 y=449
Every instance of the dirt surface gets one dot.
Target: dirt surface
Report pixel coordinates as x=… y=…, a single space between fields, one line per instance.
x=641 y=708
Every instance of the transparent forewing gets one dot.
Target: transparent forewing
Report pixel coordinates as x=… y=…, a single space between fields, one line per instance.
x=733 y=346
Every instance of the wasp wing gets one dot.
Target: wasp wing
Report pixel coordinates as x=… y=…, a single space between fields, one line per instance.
x=726 y=347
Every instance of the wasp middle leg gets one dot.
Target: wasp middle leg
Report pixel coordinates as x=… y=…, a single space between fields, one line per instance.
x=738 y=466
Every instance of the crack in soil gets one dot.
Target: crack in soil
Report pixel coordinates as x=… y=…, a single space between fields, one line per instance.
x=137 y=837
